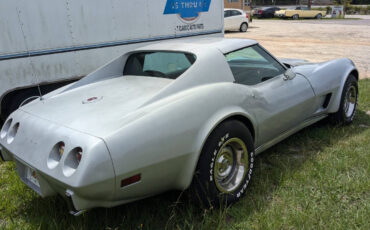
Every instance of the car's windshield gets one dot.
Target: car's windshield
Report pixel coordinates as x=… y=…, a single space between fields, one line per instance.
x=164 y=64
x=253 y=65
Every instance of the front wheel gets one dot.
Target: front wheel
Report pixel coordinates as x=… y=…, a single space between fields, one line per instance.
x=243 y=27
x=319 y=16
x=348 y=102
x=295 y=17
x=225 y=165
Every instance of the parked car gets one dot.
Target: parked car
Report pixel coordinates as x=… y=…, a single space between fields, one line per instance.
x=300 y=12
x=265 y=12
x=235 y=19
x=172 y=115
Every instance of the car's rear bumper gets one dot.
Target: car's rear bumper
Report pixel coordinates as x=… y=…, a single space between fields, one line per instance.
x=91 y=183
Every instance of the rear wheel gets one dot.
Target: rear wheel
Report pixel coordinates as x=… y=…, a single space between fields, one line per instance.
x=243 y=27
x=348 y=102
x=225 y=165
x=295 y=17
x=319 y=16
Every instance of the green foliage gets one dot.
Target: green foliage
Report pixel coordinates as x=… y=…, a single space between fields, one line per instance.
x=316 y=179
x=353 y=9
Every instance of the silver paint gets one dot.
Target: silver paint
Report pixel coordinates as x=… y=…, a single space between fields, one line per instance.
x=157 y=127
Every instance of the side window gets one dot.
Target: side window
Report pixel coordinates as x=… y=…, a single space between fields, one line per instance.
x=235 y=13
x=253 y=65
x=166 y=62
x=227 y=13
x=161 y=64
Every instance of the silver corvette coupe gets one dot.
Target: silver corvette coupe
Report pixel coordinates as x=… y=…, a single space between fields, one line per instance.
x=170 y=116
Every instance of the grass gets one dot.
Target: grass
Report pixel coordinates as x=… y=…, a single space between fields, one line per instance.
x=317 y=179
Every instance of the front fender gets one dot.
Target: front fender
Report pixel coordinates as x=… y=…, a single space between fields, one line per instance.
x=328 y=77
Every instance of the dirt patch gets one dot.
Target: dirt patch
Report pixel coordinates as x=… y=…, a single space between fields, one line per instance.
x=314 y=40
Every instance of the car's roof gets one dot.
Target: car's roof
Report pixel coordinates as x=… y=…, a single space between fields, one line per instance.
x=233 y=9
x=194 y=45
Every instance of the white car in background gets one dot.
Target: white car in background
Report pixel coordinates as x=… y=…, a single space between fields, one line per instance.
x=235 y=19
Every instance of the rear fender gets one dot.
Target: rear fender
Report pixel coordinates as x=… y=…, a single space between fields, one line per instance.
x=203 y=134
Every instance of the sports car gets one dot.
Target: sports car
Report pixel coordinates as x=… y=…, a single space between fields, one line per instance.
x=169 y=116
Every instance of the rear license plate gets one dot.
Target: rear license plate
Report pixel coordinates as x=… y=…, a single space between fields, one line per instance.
x=32 y=176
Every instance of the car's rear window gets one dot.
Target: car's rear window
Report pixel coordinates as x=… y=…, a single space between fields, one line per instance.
x=163 y=64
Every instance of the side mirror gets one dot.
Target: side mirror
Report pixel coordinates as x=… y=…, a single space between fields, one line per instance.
x=289 y=75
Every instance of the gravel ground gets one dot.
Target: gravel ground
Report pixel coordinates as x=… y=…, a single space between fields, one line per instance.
x=314 y=40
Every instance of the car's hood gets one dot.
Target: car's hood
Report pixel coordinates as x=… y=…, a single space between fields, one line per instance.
x=98 y=107
x=293 y=62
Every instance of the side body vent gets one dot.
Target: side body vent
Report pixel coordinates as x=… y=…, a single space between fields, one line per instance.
x=326 y=101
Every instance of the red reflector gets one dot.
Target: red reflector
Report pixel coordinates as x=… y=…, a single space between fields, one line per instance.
x=130 y=180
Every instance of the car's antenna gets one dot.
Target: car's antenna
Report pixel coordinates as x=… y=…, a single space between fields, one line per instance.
x=28 y=52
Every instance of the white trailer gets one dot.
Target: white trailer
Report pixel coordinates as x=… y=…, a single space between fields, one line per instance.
x=49 y=43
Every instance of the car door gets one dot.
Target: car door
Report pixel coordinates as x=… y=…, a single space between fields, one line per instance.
x=279 y=104
x=227 y=20
x=236 y=19
x=306 y=13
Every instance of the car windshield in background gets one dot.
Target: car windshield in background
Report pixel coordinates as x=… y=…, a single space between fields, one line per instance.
x=253 y=65
x=161 y=64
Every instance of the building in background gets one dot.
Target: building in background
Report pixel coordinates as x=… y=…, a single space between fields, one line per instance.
x=239 y=4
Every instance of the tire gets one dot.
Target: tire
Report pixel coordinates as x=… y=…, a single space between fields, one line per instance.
x=319 y=16
x=219 y=179
x=295 y=17
x=243 y=27
x=348 y=102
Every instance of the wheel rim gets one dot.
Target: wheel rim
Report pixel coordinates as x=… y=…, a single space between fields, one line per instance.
x=231 y=165
x=350 y=101
x=244 y=27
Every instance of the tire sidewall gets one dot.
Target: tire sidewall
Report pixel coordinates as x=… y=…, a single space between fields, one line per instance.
x=351 y=81
x=246 y=27
x=220 y=135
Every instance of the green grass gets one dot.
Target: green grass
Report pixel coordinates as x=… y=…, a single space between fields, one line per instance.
x=317 y=179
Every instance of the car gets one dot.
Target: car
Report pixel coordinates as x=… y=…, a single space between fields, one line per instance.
x=265 y=12
x=172 y=116
x=300 y=12
x=235 y=19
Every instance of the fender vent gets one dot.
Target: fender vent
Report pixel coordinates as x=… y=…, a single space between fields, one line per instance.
x=326 y=101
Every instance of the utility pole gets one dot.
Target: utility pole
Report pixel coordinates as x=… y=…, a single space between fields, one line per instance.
x=309 y=3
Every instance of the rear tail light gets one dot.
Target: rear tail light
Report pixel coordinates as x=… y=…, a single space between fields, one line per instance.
x=260 y=12
x=61 y=147
x=246 y=15
x=13 y=131
x=72 y=161
x=55 y=155
x=5 y=128
x=79 y=155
